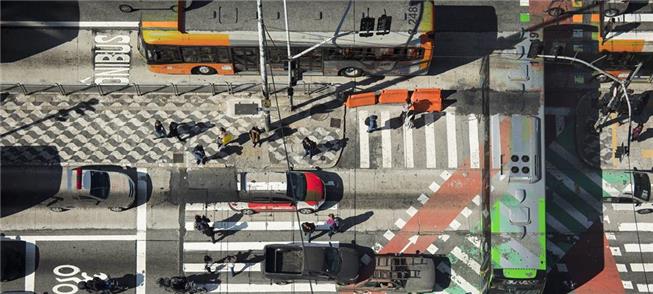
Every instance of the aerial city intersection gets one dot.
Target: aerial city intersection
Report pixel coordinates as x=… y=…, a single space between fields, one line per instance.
x=331 y=146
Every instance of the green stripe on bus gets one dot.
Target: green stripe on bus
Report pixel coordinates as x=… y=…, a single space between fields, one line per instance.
x=541 y=218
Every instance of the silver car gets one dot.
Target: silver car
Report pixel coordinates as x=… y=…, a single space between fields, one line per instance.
x=84 y=187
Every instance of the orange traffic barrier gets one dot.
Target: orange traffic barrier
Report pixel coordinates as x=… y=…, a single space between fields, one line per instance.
x=394 y=96
x=361 y=99
x=427 y=100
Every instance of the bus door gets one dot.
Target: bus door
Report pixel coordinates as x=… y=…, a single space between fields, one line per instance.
x=245 y=58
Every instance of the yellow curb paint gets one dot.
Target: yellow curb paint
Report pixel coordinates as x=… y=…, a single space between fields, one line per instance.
x=613 y=128
x=647 y=153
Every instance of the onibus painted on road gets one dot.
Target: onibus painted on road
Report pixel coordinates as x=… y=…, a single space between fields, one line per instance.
x=220 y=37
x=517 y=210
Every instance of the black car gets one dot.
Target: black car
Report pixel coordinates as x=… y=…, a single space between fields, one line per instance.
x=287 y=262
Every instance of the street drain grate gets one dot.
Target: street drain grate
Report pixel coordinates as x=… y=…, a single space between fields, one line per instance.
x=335 y=123
x=178 y=157
x=246 y=109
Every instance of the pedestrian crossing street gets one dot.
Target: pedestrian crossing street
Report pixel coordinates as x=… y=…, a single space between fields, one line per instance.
x=446 y=140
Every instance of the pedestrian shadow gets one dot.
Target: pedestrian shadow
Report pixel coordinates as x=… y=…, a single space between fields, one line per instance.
x=352 y=221
x=645 y=135
x=225 y=230
x=128 y=281
x=333 y=145
x=62 y=115
x=229 y=150
x=192 y=129
x=209 y=281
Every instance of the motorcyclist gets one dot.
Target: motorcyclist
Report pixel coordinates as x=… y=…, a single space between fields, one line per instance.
x=179 y=283
x=96 y=285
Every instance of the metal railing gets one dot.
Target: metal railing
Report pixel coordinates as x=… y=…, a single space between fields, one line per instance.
x=144 y=89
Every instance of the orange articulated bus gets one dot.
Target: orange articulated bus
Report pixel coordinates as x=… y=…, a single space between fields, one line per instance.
x=377 y=37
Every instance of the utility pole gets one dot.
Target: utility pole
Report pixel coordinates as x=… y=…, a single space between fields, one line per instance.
x=291 y=90
x=264 y=75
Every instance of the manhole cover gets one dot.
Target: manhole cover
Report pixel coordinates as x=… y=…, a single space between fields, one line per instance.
x=319 y=112
x=177 y=157
x=246 y=109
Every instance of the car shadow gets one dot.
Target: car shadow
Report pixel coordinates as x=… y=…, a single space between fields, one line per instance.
x=14 y=255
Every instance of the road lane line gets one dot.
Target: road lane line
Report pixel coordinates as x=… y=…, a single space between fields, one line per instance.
x=408 y=147
x=641 y=267
x=30 y=265
x=256 y=226
x=633 y=227
x=141 y=234
x=270 y=288
x=474 y=150
x=363 y=140
x=70 y=24
x=234 y=246
x=647 y=247
x=452 y=150
x=222 y=267
x=429 y=132
x=495 y=141
x=386 y=143
x=39 y=238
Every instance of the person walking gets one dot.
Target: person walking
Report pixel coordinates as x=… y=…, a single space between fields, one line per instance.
x=200 y=155
x=203 y=226
x=309 y=147
x=255 y=135
x=333 y=224
x=159 y=130
x=224 y=138
x=308 y=229
x=637 y=131
x=371 y=123
x=173 y=132
x=231 y=264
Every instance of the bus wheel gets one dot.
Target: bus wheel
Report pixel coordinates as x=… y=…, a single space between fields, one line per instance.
x=645 y=211
x=351 y=72
x=203 y=70
x=611 y=12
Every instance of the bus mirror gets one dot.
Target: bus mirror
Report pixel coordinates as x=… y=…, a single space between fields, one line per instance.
x=383 y=26
x=367 y=26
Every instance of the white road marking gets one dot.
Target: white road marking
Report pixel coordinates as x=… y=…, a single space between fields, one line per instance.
x=622 y=268
x=222 y=267
x=462 y=256
x=623 y=206
x=386 y=142
x=646 y=247
x=36 y=238
x=141 y=233
x=432 y=249
x=30 y=265
x=452 y=150
x=456 y=278
x=571 y=210
x=495 y=140
x=256 y=226
x=641 y=267
x=220 y=206
x=632 y=17
x=400 y=223
x=466 y=212
x=474 y=149
x=627 y=284
x=411 y=211
x=429 y=135
x=389 y=235
x=422 y=198
x=408 y=148
x=645 y=288
x=445 y=175
x=616 y=251
x=270 y=288
x=363 y=140
x=71 y=24
x=523 y=2
x=434 y=187
x=454 y=225
x=632 y=227
x=233 y=246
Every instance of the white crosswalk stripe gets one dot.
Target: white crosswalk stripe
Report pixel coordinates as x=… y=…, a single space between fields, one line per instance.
x=446 y=141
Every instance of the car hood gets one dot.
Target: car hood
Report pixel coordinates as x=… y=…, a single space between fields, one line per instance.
x=350 y=265
x=314 y=187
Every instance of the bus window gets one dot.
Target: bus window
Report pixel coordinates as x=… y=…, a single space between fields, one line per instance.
x=164 y=54
x=197 y=54
x=222 y=55
x=245 y=58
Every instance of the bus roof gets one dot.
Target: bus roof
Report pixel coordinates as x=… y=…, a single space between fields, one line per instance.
x=308 y=16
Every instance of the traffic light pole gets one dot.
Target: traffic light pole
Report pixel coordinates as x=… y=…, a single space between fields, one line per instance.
x=264 y=75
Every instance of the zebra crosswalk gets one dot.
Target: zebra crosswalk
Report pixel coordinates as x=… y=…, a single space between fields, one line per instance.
x=447 y=140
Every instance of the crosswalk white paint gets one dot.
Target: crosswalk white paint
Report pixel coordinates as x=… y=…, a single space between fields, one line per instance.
x=644 y=288
x=470 y=262
x=363 y=142
x=474 y=150
x=646 y=247
x=641 y=267
x=495 y=141
x=270 y=288
x=633 y=227
x=240 y=246
x=452 y=154
x=632 y=17
x=408 y=148
x=456 y=278
x=257 y=226
x=386 y=140
x=429 y=134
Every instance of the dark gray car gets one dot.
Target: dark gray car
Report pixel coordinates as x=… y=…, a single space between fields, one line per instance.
x=84 y=187
x=287 y=262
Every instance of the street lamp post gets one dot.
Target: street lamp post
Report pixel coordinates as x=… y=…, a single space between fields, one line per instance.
x=264 y=76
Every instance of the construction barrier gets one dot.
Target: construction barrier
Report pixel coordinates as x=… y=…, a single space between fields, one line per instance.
x=393 y=96
x=362 y=99
x=427 y=100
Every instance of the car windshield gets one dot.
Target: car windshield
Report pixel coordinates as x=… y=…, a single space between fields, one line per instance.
x=99 y=184
x=296 y=186
x=642 y=186
x=332 y=260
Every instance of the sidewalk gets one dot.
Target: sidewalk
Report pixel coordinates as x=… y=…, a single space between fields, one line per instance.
x=118 y=129
x=605 y=150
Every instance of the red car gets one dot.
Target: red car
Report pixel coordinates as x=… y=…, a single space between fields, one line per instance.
x=296 y=191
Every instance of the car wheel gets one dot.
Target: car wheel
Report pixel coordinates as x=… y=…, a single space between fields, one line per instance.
x=306 y=211
x=58 y=209
x=281 y=282
x=645 y=211
x=248 y=211
x=351 y=72
x=116 y=209
x=611 y=12
x=203 y=70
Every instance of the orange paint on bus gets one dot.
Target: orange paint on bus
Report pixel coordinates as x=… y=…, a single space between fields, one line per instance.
x=177 y=38
x=160 y=24
x=621 y=45
x=186 y=68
